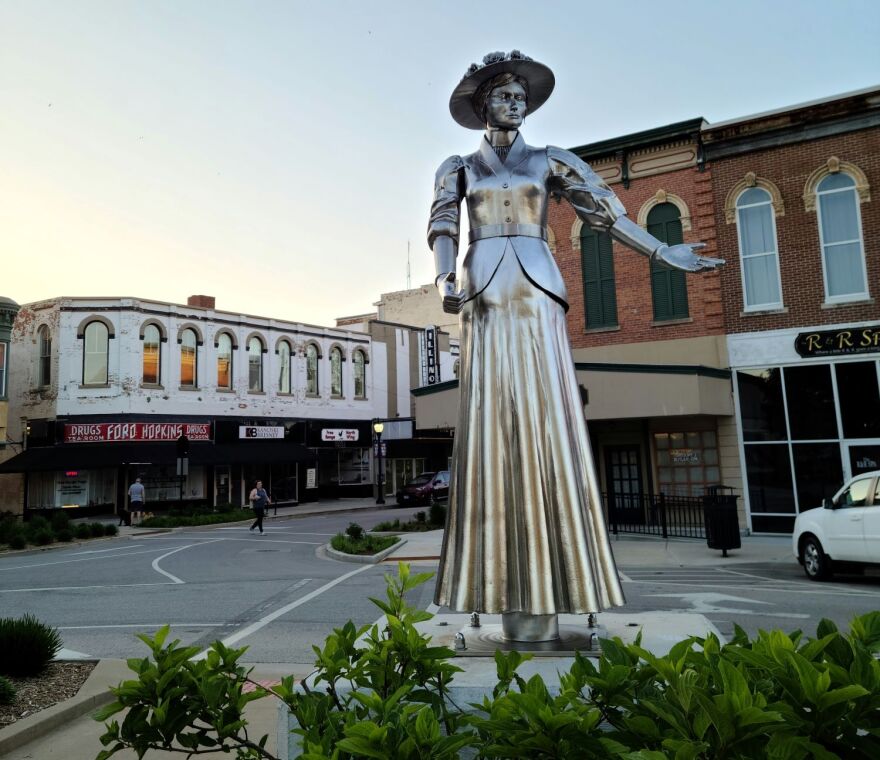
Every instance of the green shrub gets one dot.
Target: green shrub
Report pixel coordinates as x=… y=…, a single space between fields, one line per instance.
x=65 y=535
x=354 y=531
x=82 y=531
x=208 y=518
x=420 y=517
x=43 y=537
x=111 y=530
x=27 y=646
x=35 y=525
x=7 y=691
x=437 y=515
x=96 y=529
x=18 y=540
x=382 y=691
x=365 y=545
x=387 y=526
x=9 y=525
x=60 y=521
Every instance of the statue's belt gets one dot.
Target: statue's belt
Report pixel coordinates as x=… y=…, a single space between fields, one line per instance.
x=507 y=230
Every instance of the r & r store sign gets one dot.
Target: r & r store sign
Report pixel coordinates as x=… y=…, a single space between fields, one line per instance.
x=849 y=340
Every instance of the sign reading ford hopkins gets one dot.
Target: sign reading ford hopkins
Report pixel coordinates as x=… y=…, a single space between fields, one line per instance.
x=260 y=431
x=848 y=340
x=105 y=432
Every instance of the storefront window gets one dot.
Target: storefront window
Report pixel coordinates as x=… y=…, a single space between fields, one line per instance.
x=687 y=462
x=859 y=399
x=769 y=474
x=761 y=408
x=71 y=488
x=810 y=399
x=818 y=472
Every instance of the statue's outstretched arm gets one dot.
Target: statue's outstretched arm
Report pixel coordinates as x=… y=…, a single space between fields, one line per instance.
x=683 y=256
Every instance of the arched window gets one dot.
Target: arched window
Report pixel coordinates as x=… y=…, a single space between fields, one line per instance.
x=96 y=342
x=840 y=232
x=336 y=373
x=756 y=228
x=152 y=369
x=284 y=367
x=224 y=361
x=188 y=360
x=668 y=286
x=359 y=361
x=597 y=264
x=312 y=369
x=255 y=364
x=44 y=356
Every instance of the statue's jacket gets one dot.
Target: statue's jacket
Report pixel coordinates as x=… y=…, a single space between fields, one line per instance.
x=511 y=197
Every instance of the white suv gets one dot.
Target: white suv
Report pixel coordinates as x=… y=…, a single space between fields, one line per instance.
x=844 y=531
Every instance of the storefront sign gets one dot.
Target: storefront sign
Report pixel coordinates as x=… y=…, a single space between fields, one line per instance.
x=339 y=434
x=311 y=477
x=432 y=365
x=260 y=431
x=684 y=456
x=851 y=340
x=106 y=432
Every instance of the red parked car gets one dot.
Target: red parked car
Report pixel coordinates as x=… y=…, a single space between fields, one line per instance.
x=425 y=489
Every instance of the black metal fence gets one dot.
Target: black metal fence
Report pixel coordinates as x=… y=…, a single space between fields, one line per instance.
x=656 y=514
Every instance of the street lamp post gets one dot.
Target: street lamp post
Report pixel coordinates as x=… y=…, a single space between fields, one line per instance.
x=378 y=427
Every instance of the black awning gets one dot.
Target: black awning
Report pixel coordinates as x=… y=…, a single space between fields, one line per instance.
x=84 y=456
x=251 y=452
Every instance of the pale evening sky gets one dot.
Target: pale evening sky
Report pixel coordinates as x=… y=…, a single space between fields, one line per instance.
x=279 y=155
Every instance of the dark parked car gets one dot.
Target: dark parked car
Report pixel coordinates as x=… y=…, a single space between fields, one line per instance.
x=425 y=489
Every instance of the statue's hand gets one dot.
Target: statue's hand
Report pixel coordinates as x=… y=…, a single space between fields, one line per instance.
x=685 y=257
x=452 y=299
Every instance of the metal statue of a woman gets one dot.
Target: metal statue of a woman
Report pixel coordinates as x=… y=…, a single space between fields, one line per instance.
x=525 y=535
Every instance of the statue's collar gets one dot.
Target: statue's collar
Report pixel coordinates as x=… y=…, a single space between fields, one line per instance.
x=516 y=155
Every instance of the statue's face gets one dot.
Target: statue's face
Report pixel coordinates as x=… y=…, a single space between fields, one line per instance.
x=506 y=106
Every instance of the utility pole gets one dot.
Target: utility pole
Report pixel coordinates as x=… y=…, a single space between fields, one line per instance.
x=408 y=278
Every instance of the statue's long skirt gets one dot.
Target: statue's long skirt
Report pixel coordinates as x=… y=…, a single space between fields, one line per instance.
x=525 y=531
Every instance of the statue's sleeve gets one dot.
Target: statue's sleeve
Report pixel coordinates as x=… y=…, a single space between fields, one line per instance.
x=593 y=201
x=446 y=208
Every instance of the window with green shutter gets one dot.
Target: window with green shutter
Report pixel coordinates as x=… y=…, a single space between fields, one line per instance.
x=597 y=265
x=668 y=286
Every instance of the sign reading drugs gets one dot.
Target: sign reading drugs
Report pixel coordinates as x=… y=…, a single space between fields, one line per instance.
x=115 y=432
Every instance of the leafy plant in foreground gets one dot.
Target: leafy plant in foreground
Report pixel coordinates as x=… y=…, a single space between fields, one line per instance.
x=382 y=691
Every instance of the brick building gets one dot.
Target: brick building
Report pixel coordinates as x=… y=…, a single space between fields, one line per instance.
x=795 y=220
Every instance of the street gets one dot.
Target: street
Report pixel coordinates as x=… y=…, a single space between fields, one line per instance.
x=273 y=594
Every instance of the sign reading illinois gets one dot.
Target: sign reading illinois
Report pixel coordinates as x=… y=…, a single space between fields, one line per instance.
x=849 y=340
x=105 y=432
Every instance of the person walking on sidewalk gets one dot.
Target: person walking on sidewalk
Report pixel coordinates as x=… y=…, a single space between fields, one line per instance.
x=259 y=499
x=136 y=497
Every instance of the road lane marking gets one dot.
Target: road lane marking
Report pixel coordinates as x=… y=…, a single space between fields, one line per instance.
x=145 y=626
x=266 y=619
x=703 y=602
x=80 y=559
x=79 y=588
x=155 y=563
x=101 y=551
x=780 y=588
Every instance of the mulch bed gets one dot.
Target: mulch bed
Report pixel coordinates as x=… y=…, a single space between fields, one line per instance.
x=60 y=681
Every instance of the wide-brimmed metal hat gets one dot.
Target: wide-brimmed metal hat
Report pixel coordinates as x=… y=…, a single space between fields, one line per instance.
x=540 y=78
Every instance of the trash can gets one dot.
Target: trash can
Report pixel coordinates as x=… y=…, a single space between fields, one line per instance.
x=721 y=519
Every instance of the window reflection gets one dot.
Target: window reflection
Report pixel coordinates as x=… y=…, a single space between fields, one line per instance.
x=95 y=344
x=188 y=343
x=761 y=408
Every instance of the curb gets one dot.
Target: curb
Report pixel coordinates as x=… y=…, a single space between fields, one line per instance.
x=45 y=721
x=363 y=559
